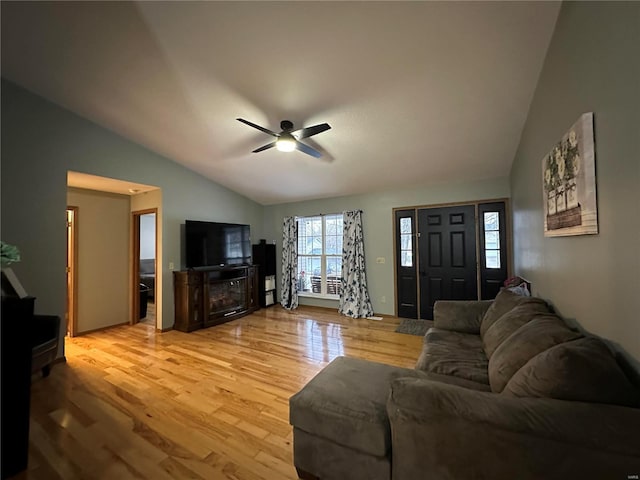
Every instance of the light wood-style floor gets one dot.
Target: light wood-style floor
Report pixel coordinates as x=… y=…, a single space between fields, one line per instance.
x=212 y=404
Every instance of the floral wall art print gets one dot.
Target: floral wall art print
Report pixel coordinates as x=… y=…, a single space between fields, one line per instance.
x=569 y=183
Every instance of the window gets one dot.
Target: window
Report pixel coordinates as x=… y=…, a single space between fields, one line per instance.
x=320 y=254
x=406 y=242
x=492 y=239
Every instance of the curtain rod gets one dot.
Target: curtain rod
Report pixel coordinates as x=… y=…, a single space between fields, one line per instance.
x=314 y=215
x=325 y=214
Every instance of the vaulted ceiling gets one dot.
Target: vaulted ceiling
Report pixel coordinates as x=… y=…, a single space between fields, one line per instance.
x=416 y=93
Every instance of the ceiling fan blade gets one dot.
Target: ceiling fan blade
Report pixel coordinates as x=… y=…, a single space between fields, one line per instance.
x=310 y=131
x=308 y=150
x=262 y=129
x=265 y=147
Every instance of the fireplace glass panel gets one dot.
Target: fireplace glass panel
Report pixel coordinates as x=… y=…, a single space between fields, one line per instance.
x=227 y=296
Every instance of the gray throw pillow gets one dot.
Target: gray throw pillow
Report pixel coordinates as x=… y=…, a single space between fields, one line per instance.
x=581 y=370
x=542 y=332
x=505 y=301
x=509 y=323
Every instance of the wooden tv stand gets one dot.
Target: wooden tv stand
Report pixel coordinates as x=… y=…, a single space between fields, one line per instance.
x=205 y=297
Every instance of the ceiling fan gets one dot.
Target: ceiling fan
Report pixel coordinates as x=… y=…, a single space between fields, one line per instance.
x=288 y=139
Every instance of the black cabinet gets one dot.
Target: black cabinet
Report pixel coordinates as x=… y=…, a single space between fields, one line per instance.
x=264 y=255
x=17 y=317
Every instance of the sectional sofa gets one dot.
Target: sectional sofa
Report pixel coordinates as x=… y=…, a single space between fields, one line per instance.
x=503 y=389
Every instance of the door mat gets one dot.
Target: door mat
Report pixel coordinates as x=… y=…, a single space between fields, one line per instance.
x=411 y=326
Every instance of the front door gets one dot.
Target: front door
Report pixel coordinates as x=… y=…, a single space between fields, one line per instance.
x=447 y=252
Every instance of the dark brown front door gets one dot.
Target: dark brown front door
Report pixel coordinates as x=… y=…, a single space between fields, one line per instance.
x=447 y=251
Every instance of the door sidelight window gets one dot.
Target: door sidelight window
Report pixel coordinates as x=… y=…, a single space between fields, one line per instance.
x=492 y=240
x=406 y=242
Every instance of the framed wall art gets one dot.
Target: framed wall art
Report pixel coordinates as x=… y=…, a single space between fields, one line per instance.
x=569 y=183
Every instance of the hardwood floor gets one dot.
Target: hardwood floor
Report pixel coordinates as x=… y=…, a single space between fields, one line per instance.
x=212 y=404
x=150 y=317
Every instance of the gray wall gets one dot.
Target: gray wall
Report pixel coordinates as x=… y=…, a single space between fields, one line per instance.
x=377 y=223
x=40 y=143
x=593 y=64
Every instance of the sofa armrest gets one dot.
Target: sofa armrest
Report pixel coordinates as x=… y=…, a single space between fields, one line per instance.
x=460 y=315
x=451 y=432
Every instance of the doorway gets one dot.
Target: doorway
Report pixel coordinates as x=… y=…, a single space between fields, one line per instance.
x=449 y=252
x=72 y=272
x=145 y=248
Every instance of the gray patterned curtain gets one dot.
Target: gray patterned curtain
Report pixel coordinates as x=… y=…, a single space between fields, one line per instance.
x=289 y=296
x=354 y=299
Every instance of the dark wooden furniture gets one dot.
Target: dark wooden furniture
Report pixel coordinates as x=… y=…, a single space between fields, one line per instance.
x=210 y=296
x=264 y=256
x=17 y=317
x=44 y=335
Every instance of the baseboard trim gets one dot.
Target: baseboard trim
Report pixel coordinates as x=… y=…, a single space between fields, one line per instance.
x=86 y=332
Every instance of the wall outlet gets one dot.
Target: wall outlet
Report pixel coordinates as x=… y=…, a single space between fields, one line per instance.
x=171 y=265
x=380 y=260
x=383 y=299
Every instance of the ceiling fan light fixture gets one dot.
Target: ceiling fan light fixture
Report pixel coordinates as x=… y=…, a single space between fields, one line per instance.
x=288 y=139
x=286 y=143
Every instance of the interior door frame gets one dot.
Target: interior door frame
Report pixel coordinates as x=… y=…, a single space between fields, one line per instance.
x=475 y=203
x=72 y=272
x=135 y=261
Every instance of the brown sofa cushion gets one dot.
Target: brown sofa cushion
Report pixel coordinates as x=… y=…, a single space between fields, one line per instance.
x=509 y=323
x=346 y=404
x=455 y=354
x=536 y=336
x=581 y=370
x=505 y=301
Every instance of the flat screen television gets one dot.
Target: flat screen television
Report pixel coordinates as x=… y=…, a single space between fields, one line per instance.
x=209 y=244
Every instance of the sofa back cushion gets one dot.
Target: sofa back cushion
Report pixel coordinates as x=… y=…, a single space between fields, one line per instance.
x=505 y=301
x=147 y=265
x=581 y=370
x=542 y=332
x=509 y=323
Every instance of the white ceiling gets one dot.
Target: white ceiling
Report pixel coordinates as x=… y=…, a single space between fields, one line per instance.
x=417 y=93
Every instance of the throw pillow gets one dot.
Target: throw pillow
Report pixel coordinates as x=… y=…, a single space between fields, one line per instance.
x=505 y=301
x=582 y=370
x=509 y=323
x=538 y=335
